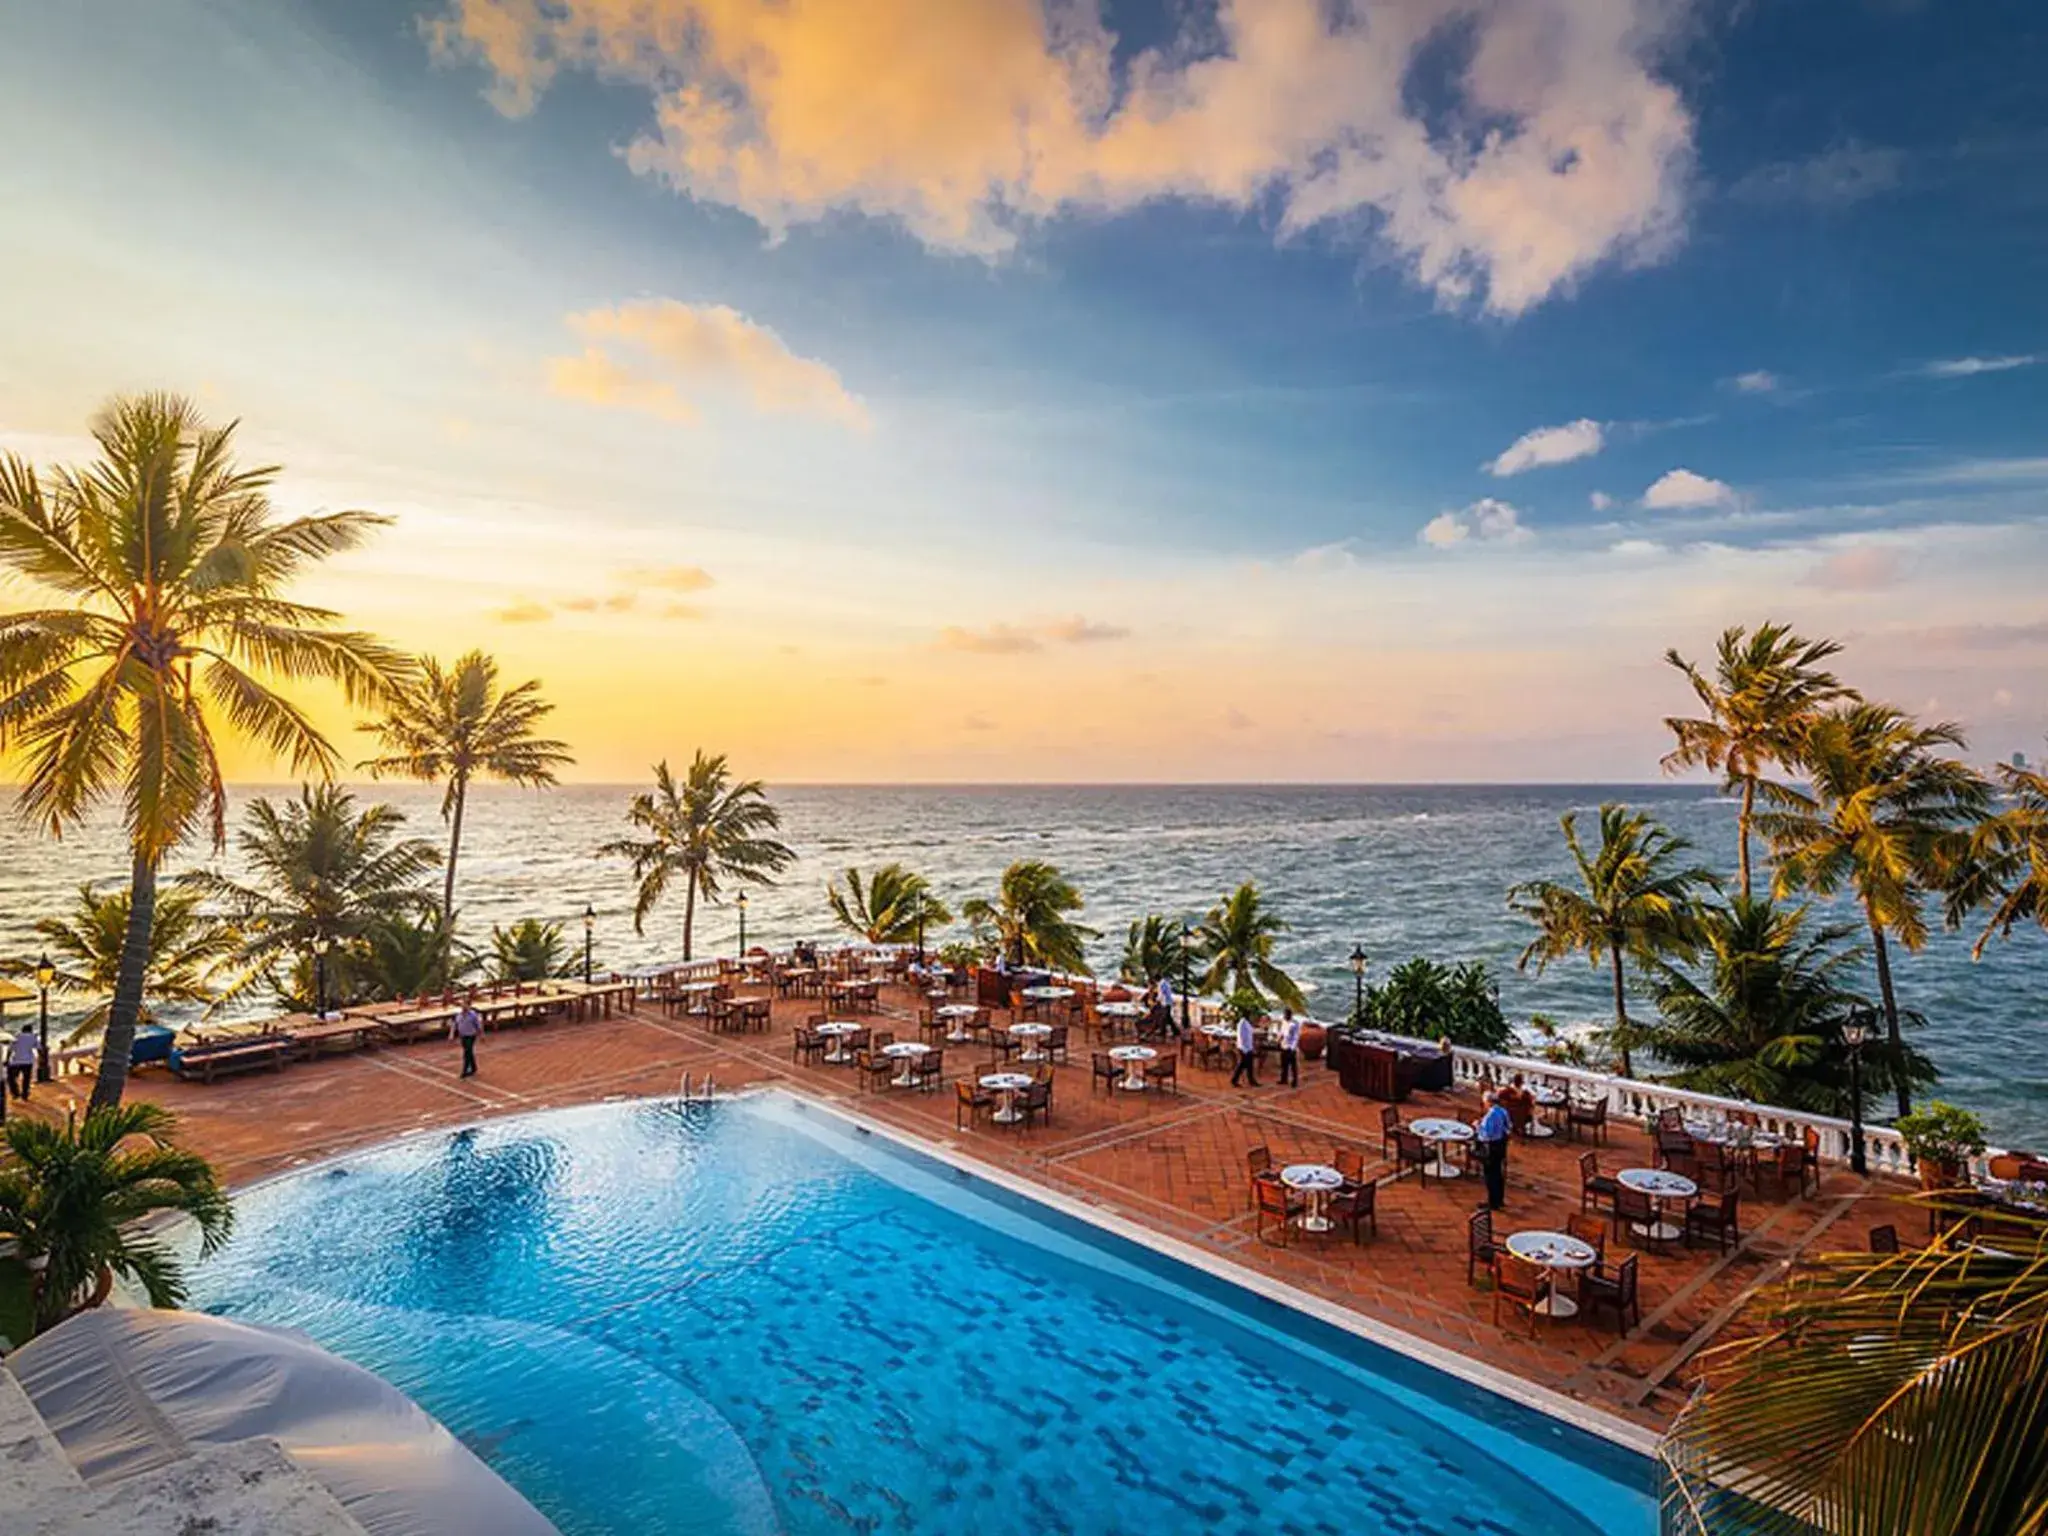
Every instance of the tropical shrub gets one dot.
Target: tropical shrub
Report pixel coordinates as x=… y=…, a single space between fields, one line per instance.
x=1426 y=1000
x=1941 y=1133
x=73 y=1199
x=530 y=950
x=1029 y=922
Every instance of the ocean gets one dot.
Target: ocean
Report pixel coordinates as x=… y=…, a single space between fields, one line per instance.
x=1405 y=871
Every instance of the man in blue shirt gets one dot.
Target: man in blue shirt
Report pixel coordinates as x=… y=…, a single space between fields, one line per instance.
x=1492 y=1136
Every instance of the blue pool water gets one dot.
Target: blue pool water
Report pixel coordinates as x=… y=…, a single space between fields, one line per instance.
x=753 y=1318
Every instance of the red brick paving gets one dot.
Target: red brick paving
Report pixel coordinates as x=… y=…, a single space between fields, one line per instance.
x=1172 y=1163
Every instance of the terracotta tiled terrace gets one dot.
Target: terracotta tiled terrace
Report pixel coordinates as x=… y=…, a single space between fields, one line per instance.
x=1172 y=1163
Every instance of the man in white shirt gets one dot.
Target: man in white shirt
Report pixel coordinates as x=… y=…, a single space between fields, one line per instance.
x=1247 y=1069
x=21 y=1061
x=1290 y=1050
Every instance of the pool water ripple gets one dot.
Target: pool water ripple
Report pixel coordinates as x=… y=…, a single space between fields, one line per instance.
x=653 y=1319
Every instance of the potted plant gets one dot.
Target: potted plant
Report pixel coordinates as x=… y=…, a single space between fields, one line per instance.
x=1942 y=1139
x=1244 y=1003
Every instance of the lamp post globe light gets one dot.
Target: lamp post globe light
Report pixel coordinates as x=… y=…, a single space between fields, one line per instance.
x=742 y=904
x=46 y=973
x=1855 y=1031
x=321 y=944
x=589 y=930
x=1357 y=983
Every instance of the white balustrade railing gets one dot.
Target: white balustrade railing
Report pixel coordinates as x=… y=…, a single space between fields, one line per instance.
x=1884 y=1149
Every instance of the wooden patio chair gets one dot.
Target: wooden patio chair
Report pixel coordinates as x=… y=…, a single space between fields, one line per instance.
x=971 y=1100
x=1520 y=1284
x=1480 y=1247
x=1590 y=1230
x=1411 y=1151
x=928 y=1072
x=1271 y=1198
x=1587 y=1115
x=1105 y=1071
x=1884 y=1239
x=1718 y=1218
x=1390 y=1122
x=1164 y=1075
x=1611 y=1289
x=1595 y=1188
x=1634 y=1210
x=1355 y=1206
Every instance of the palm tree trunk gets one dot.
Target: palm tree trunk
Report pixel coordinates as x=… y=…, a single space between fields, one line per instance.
x=1742 y=821
x=689 y=913
x=461 y=788
x=126 y=1008
x=1893 y=1041
x=1621 y=1026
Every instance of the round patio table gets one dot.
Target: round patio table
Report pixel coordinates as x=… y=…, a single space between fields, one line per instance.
x=1440 y=1134
x=1660 y=1184
x=1048 y=994
x=1009 y=1085
x=836 y=1030
x=1030 y=1034
x=1121 y=1010
x=1316 y=1180
x=1554 y=1251
x=1220 y=1031
x=1544 y=1097
x=905 y=1051
x=1133 y=1058
x=956 y=1014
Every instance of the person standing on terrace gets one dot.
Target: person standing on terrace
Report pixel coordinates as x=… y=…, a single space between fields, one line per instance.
x=1247 y=1068
x=1491 y=1136
x=1290 y=1050
x=467 y=1026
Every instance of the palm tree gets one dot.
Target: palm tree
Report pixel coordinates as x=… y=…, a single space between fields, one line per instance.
x=530 y=950
x=1235 y=941
x=186 y=947
x=1884 y=1393
x=2005 y=866
x=321 y=871
x=169 y=569
x=76 y=1198
x=457 y=725
x=407 y=954
x=709 y=831
x=1635 y=901
x=1766 y=686
x=1152 y=951
x=1028 y=920
x=894 y=905
x=1764 y=1020
x=1886 y=816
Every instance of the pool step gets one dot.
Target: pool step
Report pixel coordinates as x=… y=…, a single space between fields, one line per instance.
x=248 y=1488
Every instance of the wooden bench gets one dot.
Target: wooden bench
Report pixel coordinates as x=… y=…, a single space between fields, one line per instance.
x=207 y=1062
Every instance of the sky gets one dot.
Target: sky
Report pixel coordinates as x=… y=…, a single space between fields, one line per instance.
x=1003 y=390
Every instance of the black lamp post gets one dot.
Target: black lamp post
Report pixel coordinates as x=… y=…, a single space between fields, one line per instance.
x=589 y=930
x=320 y=945
x=1357 y=983
x=45 y=974
x=1855 y=1031
x=920 y=928
x=1187 y=944
x=742 y=903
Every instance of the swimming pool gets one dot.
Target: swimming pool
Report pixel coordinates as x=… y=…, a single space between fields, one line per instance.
x=754 y=1317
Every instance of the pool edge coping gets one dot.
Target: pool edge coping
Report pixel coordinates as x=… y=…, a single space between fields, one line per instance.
x=1582 y=1416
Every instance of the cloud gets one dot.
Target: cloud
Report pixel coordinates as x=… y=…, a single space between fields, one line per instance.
x=1982 y=637
x=1969 y=367
x=524 y=612
x=684 y=611
x=1080 y=631
x=1837 y=177
x=997 y=640
x=617 y=602
x=594 y=378
x=1502 y=150
x=1550 y=445
x=1600 y=501
x=1678 y=488
x=1487 y=520
x=1758 y=381
x=1857 y=568
x=673 y=578
x=1635 y=549
x=661 y=356
x=1339 y=556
